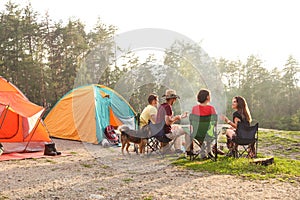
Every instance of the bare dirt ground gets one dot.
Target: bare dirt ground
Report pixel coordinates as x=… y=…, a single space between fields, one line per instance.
x=93 y=172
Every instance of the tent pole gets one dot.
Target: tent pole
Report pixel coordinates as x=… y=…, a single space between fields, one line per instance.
x=43 y=123
x=7 y=106
x=34 y=129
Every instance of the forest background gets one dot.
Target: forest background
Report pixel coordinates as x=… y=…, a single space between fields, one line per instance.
x=43 y=58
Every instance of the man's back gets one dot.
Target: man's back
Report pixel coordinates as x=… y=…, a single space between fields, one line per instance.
x=146 y=115
x=163 y=110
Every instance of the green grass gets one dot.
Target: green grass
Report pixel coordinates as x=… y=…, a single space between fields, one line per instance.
x=102 y=189
x=280 y=143
x=86 y=165
x=282 y=169
x=148 y=198
x=127 y=180
x=104 y=166
x=50 y=161
x=284 y=148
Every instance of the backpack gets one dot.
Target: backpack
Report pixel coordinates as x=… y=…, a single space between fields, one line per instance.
x=111 y=135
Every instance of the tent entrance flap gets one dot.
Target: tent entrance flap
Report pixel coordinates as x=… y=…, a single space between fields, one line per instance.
x=34 y=129
x=113 y=120
x=3 y=112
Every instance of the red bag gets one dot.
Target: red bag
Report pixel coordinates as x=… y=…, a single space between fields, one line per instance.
x=111 y=135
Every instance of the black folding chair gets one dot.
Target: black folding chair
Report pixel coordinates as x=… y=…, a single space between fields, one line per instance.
x=247 y=138
x=153 y=145
x=158 y=139
x=203 y=130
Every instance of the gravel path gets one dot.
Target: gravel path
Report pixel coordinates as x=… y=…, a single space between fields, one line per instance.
x=92 y=172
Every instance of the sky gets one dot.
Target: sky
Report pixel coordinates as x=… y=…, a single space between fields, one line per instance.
x=232 y=29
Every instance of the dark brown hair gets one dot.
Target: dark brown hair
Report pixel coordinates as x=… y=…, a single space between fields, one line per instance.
x=151 y=98
x=202 y=95
x=242 y=108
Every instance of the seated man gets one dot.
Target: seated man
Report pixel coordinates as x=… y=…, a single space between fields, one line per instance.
x=150 y=111
x=165 y=116
x=148 y=114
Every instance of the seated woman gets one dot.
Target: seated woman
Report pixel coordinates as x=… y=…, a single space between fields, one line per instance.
x=241 y=115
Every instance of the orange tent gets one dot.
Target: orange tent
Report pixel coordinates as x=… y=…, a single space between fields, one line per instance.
x=21 y=128
x=84 y=112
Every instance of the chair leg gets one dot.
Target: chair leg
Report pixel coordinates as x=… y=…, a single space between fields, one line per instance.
x=230 y=146
x=248 y=149
x=251 y=151
x=236 y=151
x=153 y=145
x=191 y=150
x=216 y=150
x=193 y=155
x=165 y=147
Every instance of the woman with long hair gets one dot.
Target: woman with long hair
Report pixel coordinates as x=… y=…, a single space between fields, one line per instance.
x=241 y=115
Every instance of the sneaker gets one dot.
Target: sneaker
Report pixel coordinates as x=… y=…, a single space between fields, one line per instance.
x=233 y=153
x=190 y=153
x=166 y=151
x=220 y=152
x=215 y=149
x=210 y=155
x=204 y=157
x=178 y=151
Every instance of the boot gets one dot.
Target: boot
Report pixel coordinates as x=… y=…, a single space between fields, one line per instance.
x=229 y=143
x=50 y=150
x=251 y=151
x=1 y=149
x=57 y=152
x=215 y=149
x=230 y=146
x=235 y=151
x=191 y=152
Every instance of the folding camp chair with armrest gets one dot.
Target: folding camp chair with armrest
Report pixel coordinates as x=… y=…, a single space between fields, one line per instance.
x=158 y=139
x=153 y=145
x=203 y=130
x=247 y=137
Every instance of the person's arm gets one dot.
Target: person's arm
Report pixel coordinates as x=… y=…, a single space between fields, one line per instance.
x=153 y=118
x=213 y=111
x=171 y=119
x=234 y=123
x=153 y=114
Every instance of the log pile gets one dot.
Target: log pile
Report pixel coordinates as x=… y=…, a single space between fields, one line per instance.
x=263 y=161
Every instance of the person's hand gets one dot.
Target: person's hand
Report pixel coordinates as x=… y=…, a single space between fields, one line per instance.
x=177 y=117
x=184 y=115
x=224 y=118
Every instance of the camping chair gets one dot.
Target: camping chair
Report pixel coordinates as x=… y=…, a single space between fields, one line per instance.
x=157 y=139
x=203 y=130
x=153 y=145
x=247 y=137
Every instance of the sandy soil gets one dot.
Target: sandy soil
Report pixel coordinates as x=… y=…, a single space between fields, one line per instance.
x=93 y=172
